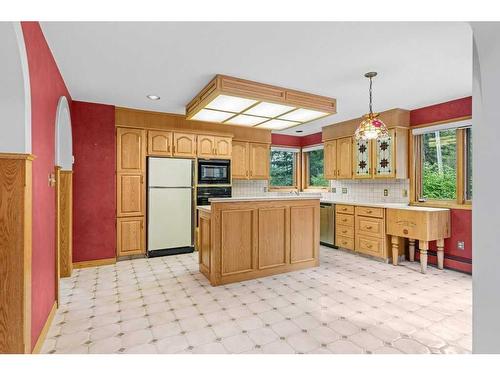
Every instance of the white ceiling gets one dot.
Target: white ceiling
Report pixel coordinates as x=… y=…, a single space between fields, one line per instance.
x=120 y=63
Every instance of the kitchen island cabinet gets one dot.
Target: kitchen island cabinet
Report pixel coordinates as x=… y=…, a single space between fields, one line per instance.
x=247 y=238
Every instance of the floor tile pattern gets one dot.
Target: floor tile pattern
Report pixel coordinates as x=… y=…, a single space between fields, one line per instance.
x=349 y=304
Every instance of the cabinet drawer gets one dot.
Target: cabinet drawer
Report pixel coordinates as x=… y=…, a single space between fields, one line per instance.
x=342 y=219
x=344 y=209
x=345 y=242
x=370 y=246
x=370 y=226
x=370 y=211
x=345 y=231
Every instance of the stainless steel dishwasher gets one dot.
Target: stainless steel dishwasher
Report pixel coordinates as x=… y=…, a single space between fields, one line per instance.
x=327 y=224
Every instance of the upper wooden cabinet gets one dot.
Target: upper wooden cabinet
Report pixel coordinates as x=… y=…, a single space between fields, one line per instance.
x=223 y=147
x=240 y=161
x=214 y=147
x=344 y=158
x=159 y=143
x=250 y=161
x=131 y=150
x=330 y=159
x=206 y=146
x=259 y=161
x=362 y=159
x=184 y=145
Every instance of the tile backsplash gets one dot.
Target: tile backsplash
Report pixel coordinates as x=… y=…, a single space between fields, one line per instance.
x=371 y=190
x=250 y=188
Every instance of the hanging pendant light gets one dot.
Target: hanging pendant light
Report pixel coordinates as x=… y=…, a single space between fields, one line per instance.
x=371 y=127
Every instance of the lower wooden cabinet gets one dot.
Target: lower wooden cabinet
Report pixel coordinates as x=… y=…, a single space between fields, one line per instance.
x=344 y=226
x=130 y=236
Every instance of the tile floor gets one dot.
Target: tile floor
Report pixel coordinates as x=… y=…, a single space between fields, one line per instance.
x=349 y=304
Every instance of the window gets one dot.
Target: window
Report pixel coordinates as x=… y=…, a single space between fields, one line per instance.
x=468 y=164
x=439 y=160
x=443 y=164
x=283 y=168
x=313 y=168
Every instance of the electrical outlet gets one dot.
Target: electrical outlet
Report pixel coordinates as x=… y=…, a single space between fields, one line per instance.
x=460 y=245
x=344 y=190
x=334 y=190
x=386 y=193
x=405 y=193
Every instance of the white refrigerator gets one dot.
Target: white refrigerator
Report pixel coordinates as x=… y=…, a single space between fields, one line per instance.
x=170 y=206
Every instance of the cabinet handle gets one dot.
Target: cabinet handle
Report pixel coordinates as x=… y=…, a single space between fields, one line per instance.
x=344 y=209
x=142 y=179
x=369 y=211
x=246 y=173
x=168 y=148
x=173 y=148
x=251 y=173
x=344 y=220
x=344 y=231
x=368 y=227
x=369 y=246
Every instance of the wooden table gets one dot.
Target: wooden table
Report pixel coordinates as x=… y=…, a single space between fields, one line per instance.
x=419 y=223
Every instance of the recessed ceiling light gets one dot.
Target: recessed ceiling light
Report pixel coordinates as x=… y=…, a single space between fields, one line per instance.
x=153 y=97
x=298 y=131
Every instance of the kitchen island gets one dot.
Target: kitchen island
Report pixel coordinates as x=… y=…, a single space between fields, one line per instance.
x=250 y=237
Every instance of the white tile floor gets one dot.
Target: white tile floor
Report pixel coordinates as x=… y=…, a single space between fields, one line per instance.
x=349 y=304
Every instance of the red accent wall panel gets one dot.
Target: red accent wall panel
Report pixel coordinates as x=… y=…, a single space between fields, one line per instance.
x=94 y=192
x=311 y=139
x=442 y=111
x=285 y=140
x=47 y=86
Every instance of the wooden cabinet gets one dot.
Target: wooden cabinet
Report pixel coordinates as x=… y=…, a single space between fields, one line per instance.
x=130 y=150
x=344 y=158
x=259 y=161
x=159 y=143
x=130 y=195
x=130 y=236
x=362 y=159
x=250 y=161
x=214 y=147
x=223 y=147
x=184 y=145
x=239 y=161
x=330 y=159
x=206 y=146
x=344 y=226
x=338 y=159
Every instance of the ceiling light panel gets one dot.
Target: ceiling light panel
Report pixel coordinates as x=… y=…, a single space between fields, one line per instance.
x=246 y=120
x=212 y=116
x=303 y=115
x=277 y=124
x=230 y=103
x=266 y=109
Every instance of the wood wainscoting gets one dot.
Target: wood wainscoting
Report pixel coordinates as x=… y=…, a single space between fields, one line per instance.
x=15 y=252
x=66 y=223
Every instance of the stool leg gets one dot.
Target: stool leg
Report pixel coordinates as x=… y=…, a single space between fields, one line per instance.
x=440 y=253
x=411 y=248
x=423 y=247
x=395 y=249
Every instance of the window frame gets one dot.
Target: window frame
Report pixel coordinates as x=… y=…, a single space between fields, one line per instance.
x=296 y=170
x=461 y=165
x=305 y=169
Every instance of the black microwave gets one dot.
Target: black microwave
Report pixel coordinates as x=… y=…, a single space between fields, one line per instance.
x=214 y=172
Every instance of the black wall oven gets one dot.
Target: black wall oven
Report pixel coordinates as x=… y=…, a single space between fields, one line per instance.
x=205 y=193
x=214 y=172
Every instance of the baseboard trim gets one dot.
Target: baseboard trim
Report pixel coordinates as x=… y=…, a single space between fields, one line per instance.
x=94 y=263
x=45 y=330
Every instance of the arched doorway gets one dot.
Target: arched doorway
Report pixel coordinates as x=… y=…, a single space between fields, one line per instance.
x=63 y=191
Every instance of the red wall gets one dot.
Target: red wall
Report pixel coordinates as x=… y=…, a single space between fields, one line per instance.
x=47 y=86
x=461 y=220
x=295 y=141
x=94 y=194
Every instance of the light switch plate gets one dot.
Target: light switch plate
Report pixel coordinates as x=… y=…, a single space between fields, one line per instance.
x=344 y=190
x=386 y=193
x=460 y=245
x=334 y=190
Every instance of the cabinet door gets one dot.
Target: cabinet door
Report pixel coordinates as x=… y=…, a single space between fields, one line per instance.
x=131 y=150
x=344 y=158
x=130 y=236
x=223 y=147
x=184 y=145
x=259 y=161
x=384 y=155
x=130 y=195
x=330 y=160
x=159 y=143
x=239 y=161
x=362 y=159
x=206 y=146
